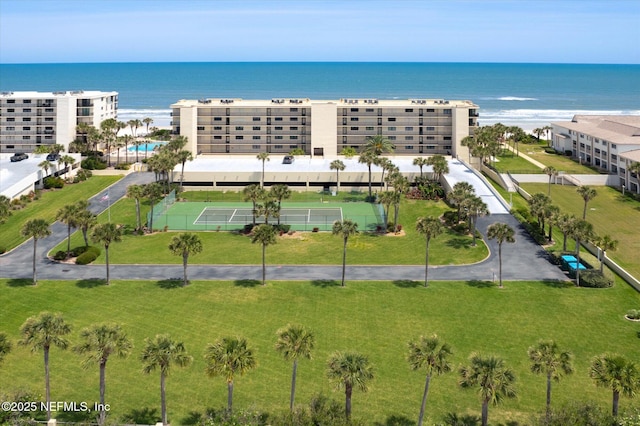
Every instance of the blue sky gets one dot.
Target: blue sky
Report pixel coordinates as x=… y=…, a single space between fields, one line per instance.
x=553 y=31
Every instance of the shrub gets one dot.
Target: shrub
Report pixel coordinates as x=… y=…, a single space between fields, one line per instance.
x=60 y=255
x=633 y=314
x=53 y=182
x=594 y=279
x=77 y=251
x=568 y=153
x=550 y=150
x=123 y=166
x=93 y=249
x=450 y=217
x=93 y=163
x=82 y=175
x=282 y=227
x=86 y=258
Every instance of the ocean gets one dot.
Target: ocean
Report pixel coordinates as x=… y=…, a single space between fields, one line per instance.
x=528 y=95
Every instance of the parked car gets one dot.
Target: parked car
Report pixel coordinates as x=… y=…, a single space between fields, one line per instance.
x=19 y=156
x=54 y=156
x=288 y=159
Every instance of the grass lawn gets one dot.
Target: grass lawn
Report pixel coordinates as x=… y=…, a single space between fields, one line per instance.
x=375 y=318
x=302 y=248
x=48 y=205
x=610 y=213
x=509 y=162
x=559 y=161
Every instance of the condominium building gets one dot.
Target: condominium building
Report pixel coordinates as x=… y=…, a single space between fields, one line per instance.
x=609 y=142
x=32 y=119
x=323 y=127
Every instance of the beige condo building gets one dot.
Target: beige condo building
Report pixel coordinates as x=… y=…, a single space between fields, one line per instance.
x=32 y=119
x=323 y=127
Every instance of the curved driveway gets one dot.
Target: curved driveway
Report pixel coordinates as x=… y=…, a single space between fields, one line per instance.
x=523 y=260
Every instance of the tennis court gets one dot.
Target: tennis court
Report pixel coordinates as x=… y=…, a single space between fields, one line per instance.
x=223 y=216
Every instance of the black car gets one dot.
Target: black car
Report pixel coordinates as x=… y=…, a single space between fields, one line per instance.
x=54 y=156
x=288 y=159
x=19 y=156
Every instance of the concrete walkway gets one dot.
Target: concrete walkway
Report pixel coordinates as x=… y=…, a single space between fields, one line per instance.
x=524 y=260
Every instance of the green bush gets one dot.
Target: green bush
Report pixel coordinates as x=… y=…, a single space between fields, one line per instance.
x=77 y=251
x=282 y=227
x=93 y=163
x=123 y=166
x=633 y=314
x=53 y=182
x=86 y=258
x=593 y=278
x=60 y=255
x=82 y=175
x=93 y=249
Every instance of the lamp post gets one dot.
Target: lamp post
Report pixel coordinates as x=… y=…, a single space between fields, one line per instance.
x=622 y=189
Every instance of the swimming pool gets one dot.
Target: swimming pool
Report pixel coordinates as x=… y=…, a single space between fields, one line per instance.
x=148 y=147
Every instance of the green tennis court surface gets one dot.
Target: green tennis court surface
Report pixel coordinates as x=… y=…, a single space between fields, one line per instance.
x=208 y=216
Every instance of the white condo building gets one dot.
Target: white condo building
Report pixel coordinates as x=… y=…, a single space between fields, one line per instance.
x=32 y=119
x=609 y=142
x=322 y=128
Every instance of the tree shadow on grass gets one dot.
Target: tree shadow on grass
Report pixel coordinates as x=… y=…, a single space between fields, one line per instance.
x=325 y=283
x=170 y=283
x=459 y=242
x=193 y=418
x=20 y=282
x=142 y=416
x=247 y=283
x=396 y=420
x=557 y=283
x=407 y=283
x=480 y=284
x=91 y=283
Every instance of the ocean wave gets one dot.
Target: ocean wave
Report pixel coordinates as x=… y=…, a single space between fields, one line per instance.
x=509 y=98
x=160 y=117
x=529 y=119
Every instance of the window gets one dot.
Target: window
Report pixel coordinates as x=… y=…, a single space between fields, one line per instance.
x=48 y=137
x=256 y=138
x=408 y=138
x=614 y=146
x=392 y=138
x=294 y=137
x=391 y=119
x=354 y=109
x=431 y=147
x=239 y=127
x=293 y=109
x=431 y=128
x=614 y=157
x=11 y=101
x=408 y=147
x=370 y=110
x=239 y=138
x=294 y=119
x=278 y=128
x=217 y=137
x=217 y=118
x=354 y=128
x=26 y=119
x=408 y=110
x=26 y=138
x=11 y=109
x=293 y=146
x=278 y=137
x=277 y=146
x=431 y=110
x=391 y=129
x=446 y=111
x=256 y=118
x=408 y=129
x=604 y=143
x=370 y=128
x=256 y=127
x=26 y=109
x=447 y=147
x=48 y=119
x=27 y=101
x=597 y=151
x=294 y=128
x=431 y=138
x=217 y=127
x=10 y=128
x=354 y=118
x=26 y=128
x=447 y=138
x=200 y=127
x=278 y=118
x=11 y=119
x=255 y=146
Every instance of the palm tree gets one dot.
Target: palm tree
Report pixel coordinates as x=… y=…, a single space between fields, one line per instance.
x=501 y=232
x=430 y=354
x=227 y=357
x=385 y=164
x=5 y=208
x=85 y=220
x=338 y=166
x=67 y=215
x=606 y=242
x=263 y=156
x=581 y=231
x=439 y=165
x=348 y=370
x=475 y=208
x=265 y=235
x=270 y=208
x=420 y=162
x=105 y=234
x=368 y=158
x=458 y=194
x=36 y=229
x=617 y=373
x=494 y=379
x=538 y=205
x=185 y=245
x=161 y=353
x=386 y=199
x=147 y=122
x=547 y=129
x=430 y=227
x=253 y=193
x=551 y=172
x=538 y=131
x=183 y=157
x=378 y=145
x=280 y=192
x=587 y=193
x=294 y=342
x=345 y=229
x=152 y=191
x=566 y=223
x=44 y=165
x=43 y=332
x=5 y=346
x=546 y=358
x=136 y=192
x=99 y=342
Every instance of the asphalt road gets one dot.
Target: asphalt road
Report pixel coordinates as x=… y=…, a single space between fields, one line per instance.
x=522 y=261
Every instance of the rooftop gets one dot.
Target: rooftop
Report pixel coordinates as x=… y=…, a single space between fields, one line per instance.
x=295 y=102
x=59 y=94
x=620 y=129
